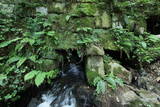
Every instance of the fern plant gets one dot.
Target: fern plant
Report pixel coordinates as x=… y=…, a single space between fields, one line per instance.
x=108 y=81
x=20 y=65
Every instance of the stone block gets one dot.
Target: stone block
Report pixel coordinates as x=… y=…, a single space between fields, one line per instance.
x=84 y=9
x=103 y=20
x=95 y=64
x=106 y=20
x=42 y=10
x=94 y=50
x=83 y=22
x=57 y=7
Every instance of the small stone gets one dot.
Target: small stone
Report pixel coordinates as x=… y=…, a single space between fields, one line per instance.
x=42 y=10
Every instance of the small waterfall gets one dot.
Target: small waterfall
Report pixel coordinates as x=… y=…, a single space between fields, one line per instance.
x=65 y=91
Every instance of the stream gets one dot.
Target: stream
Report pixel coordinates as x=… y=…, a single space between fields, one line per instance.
x=68 y=91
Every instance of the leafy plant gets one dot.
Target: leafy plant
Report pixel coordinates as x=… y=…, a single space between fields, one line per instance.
x=145 y=48
x=40 y=76
x=27 y=47
x=109 y=80
x=87 y=36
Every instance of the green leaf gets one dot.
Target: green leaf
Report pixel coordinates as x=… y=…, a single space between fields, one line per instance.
x=51 y=74
x=51 y=33
x=6 y=43
x=127 y=43
x=96 y=80
x=39 y=33
x=2 y=77
x=111 y=82
x=144 y=45
x=1 y=58
x=19 y=46
x=21 y=61
x=13 y=59
x=30 y=75
x=33 y=58
x=40 y=78
x=28 y=40
x=119 y=81
x=153 y=38
x=101 y=87
x=68 y=17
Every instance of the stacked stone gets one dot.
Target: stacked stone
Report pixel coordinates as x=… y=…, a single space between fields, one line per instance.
x=68 y=15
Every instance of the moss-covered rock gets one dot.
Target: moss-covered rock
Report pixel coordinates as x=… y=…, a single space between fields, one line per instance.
x=91 y=76
x=94 y=50
x=95 y=64
x=83 y=22
x=106 y=20
x=107 y=41
x=119 y=71
x=56 y=7
x=87 y=9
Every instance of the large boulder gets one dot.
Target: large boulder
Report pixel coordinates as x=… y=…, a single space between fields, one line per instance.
x=119 y=71
x=128 y=96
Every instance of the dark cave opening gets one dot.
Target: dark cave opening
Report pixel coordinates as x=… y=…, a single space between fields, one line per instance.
x=153 y=24
x=123 y=59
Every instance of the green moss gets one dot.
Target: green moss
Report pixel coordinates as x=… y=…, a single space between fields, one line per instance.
x=88 y=9
x=84 y=22
x=57 y=7
x=91 y=76
x=107 y=40
x=67 y=41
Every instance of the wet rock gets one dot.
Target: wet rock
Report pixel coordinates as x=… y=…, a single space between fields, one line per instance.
x=148 y=96
x=154 y=67
x=149 y=80
x=128 y=96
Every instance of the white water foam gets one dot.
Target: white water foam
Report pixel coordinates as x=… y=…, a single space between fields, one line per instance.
x=47 y=100
x=69 y=101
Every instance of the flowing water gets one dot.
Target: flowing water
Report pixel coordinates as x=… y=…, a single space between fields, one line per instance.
x=68 y=91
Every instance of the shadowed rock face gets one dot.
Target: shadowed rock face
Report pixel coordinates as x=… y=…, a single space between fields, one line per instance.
x=69 y=91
